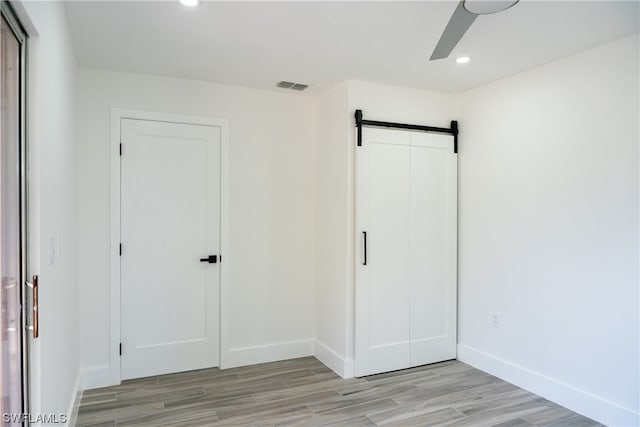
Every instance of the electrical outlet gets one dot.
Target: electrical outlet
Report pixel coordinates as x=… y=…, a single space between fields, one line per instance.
x=495 y=320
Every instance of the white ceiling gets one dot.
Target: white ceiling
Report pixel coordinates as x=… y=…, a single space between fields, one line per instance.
x=257 y=44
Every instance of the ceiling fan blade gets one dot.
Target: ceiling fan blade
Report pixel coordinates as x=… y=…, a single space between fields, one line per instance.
x=459 y=23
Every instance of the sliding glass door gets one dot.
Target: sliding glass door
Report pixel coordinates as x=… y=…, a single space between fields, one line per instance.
x=12 y=226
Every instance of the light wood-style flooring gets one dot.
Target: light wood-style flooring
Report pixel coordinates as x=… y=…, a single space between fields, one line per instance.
x=303 y=392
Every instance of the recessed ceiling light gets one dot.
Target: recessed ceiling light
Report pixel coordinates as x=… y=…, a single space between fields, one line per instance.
x=463 y=60
x=190 y=3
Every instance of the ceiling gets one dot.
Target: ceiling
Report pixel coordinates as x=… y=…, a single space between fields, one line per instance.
x=257 y=44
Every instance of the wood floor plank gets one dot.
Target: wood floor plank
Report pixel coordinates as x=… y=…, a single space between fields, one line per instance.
x=573 y=420
x=431 y=418
x=518 y=422
x=548 y=415
x=362 y=421
x=398 y=415
x=303 y=420
x=206 y=402
x=467 y=396
x=303 y=392
x=137 y=384
x=293 y=401
x=175 y=417
x=313 y=379
x=89 y=417
x=273 y=415
x=428 y=392
x=242 y=389
x=514 y=398
x=339 y=403
x=365 y=408
x=99 y=398
x=106 y=424
x=499 y=415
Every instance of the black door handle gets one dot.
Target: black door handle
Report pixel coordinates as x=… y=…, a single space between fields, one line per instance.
x=364 y=246
x=211 y=259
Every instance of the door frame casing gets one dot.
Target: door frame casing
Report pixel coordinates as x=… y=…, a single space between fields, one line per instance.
x=117 y=115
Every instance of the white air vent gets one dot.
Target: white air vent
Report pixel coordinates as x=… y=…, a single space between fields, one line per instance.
x=292 y=86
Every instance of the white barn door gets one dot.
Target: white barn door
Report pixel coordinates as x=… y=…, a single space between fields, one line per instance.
x=406 y=220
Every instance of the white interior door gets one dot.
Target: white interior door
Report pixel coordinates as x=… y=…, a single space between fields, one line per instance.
x=170 y=220
x=406 y=191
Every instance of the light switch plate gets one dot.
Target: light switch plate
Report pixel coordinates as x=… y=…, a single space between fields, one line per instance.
x=53 y=249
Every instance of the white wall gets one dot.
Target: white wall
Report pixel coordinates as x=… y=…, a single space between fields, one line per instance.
x=400 y=104
x=332 y=220
x=548 y=232
x=55 y=363
x=272 y=209
x=335 y=166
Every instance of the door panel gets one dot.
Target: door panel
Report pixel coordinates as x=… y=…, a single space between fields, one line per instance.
x=433 y=268
x=389 y=261
x=170 y=220
x=383 y=337
x=406 y=186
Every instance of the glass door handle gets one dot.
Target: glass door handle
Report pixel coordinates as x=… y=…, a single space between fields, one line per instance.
x=34 y=306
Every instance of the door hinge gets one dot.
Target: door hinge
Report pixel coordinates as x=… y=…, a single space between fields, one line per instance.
x=120 y=349
x=121 y=148
x=120 y=249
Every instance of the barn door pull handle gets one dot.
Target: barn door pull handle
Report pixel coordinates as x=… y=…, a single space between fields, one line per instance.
x=211 y=259
x=364 y=247
x=34 y=307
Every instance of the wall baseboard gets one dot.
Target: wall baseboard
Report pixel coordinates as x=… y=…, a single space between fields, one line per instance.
x=74 y=405
x=105 y=376
x=580 y=401
x=335 y=362
x=244 y=356
x=98 y=377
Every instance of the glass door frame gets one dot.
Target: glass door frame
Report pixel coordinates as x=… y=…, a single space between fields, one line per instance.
x=21 y=36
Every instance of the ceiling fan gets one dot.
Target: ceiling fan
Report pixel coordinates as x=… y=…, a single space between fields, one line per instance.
x=466 y=12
